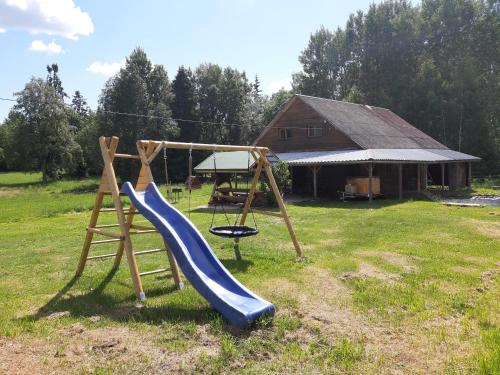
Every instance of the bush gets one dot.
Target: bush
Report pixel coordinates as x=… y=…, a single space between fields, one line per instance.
x=281 y=175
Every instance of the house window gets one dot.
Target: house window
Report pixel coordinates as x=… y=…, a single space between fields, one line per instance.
x=314 y=131
x=285 y=133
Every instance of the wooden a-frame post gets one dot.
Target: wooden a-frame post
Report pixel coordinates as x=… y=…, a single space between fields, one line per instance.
x=109 y=186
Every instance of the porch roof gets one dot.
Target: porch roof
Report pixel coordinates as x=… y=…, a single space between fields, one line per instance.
x=393 y=155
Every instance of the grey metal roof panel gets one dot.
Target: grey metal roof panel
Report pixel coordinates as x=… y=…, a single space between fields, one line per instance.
x=371 y=127
x=231 y=161
x=376 y=155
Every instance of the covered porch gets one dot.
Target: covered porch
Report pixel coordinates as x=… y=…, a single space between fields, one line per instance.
x=325 y=173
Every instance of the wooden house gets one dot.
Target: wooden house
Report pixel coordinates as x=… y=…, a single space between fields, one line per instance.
x=327 y=142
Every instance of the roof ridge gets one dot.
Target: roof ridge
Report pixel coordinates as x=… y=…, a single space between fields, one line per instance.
x=342 y=101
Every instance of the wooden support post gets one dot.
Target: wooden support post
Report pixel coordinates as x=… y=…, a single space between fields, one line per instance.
x=400 y=181
x=370 y=182
x=89 y=235
x=124 y=227
x=426 y=176
x=281 y=204
x=469 y=175
x=315 y=182
x=251 y=193
x=147 y=152
x=418 y=177
x=442 y=176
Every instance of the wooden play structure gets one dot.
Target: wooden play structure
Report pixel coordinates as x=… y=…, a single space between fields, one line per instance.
x=126 y=229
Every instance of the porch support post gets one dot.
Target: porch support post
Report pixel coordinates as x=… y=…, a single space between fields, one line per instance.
x=419 y=167
x=442 y=176
x=400 y=181
x=469 y=175
x=426 y=177
x=315 y=170
x=370 y=182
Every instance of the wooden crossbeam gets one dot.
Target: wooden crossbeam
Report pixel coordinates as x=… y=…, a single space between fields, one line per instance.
x=160 y=270
x=142 y=252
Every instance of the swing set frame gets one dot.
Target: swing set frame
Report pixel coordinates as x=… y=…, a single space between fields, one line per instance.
x=147 y=150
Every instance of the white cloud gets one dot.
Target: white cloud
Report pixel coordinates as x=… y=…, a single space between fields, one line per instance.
x=41 y=46
x=106 y=69
x=61 y=17
x=2 y=30
x=276 y=86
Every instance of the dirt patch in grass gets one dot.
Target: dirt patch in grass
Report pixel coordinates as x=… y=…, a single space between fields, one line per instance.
x=488 y=228
x=325 y=306
x=366 y=270
x=10 y=192
x=332 y=242
x=120 y=349
x=405 y=262
x=463 y=269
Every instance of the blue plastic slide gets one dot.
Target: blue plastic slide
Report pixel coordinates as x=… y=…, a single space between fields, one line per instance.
x=197 y=260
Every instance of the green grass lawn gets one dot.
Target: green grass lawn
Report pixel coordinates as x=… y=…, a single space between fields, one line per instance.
x=396 y=287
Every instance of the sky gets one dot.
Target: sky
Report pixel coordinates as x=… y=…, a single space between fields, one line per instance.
x=90 y=40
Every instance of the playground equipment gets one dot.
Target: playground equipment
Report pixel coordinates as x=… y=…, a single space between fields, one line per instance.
x=184 y=244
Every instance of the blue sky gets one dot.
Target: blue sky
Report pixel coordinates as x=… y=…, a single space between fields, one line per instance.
x=90 y=39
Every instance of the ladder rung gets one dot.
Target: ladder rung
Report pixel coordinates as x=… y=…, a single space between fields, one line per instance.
x=127 y=156
x=107 y=225
x=98 y=242
x=151 y=251
x=142 y=252
x=146 y=231
x=153 y=272
x=105 y=233
x=101 y=256
x=126 y=210
x=141 y=227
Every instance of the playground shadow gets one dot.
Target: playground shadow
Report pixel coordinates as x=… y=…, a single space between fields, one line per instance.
x=236 y=266
x=359 y=204
x=126 y=309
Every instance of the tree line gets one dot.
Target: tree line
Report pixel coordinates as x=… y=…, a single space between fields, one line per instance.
x=211 y=104
x=435 y=64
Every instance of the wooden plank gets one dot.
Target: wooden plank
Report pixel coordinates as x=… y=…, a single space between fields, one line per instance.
x=281 y=204
x=127 y=156
x=105 y=233
x=370 y=182
x=419 y=183
x=203 y=146
x=442 y=176
x=400 y=181
x=99 y=242
x=127 y=243
x=146 y=273
x=251 y=193
x=89 y=236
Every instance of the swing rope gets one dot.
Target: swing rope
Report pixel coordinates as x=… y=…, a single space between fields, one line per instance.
x=165 y=163
x=189 y=178
x=231 y=231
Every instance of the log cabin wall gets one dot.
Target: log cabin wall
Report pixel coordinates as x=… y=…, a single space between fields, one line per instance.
x=297 y=119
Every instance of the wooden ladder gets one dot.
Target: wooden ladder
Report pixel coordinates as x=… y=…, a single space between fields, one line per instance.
x=108 y=185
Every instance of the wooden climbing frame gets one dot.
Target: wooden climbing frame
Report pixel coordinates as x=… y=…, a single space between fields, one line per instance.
x=108 y=185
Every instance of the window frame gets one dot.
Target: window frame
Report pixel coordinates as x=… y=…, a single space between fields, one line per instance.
x=314 y=131
x=284 y=134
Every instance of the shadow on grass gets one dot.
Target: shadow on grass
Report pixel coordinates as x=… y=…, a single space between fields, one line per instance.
x=99 y=303
x=359 y=203
x=236 y=266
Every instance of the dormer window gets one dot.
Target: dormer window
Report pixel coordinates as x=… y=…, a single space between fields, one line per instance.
x=314 y=131
x=285 y=134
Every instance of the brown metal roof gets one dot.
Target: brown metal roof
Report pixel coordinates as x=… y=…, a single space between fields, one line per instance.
x=371 y=127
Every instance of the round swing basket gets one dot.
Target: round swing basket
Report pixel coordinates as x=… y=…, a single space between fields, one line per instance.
x=233 y=231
